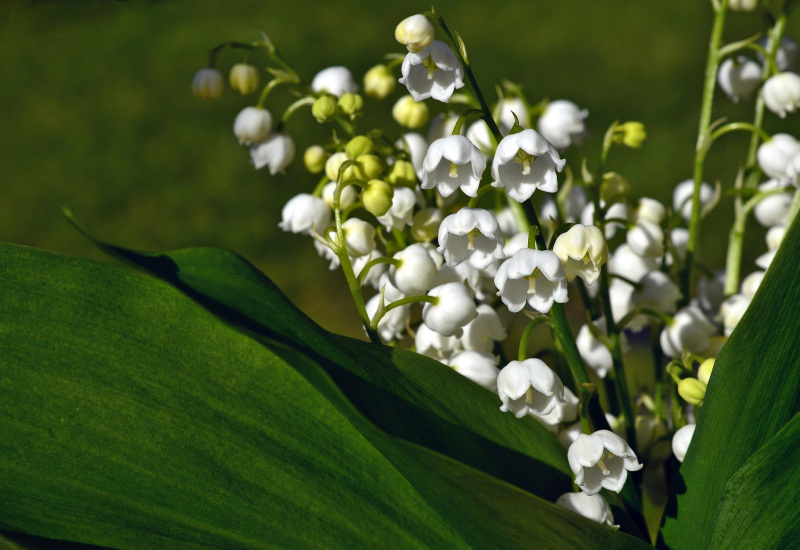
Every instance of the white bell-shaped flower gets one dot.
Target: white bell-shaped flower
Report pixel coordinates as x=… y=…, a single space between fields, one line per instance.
x=372 y=278
x=207 y=83
x=657 y=292
x=601 y=460
x=478 y=366
x=524 y=162
x=533 y=276
x=277 y=152
x=481 y=136
x=562 y=123
x=751 y=283
x=431 y=343
x=774 y=209
x=359 y=237
x=787 y=57
x=567 y=412
x=401 y=212
x=416 y=271
x=334 y=80
x=417 y=147
x=782 y=93
x=529 y=385
x=627 y=263
x=649 y=209
x=593 y=507
x=582 y=251
x=454 y=309
x=793 y=170
x=739 y=78
x=679 y=238
x=415 y=32
x=432 y=72
x=471 y=234
x=732 y=310
x=451 y=163
x=303 y=212
x=690 y=330
x=483 y=331
x=505 y=110
x=681 y=441
x=392 y=325
x=252 y=125
x=346 y=199
x=593 y=352
x=646 y=239
x=774 y=156
x=682 y=197
x=442 y=125
x=775 y=236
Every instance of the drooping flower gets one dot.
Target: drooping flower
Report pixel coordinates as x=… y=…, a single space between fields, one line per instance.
x=431 y=343
x=739 y=78
x=524 y=162
x=582 y=251
x=566 y=412
x=415 y=32
x=400 y=213
x=335 y=81
x=533 y=276
x=478 y=366
x=601 y=460
x=482 y=332
x=207 y=84
x=593 y=507
x=252 y=125
x=689 y=330
x=562 y=123
x=303 y=212
x=471 y=234
x=681 y=441
x=775 y=155
x=453 y=163
x=782 y=93
x=243 y=78
x=454 y=309
x=529 y=385
x=593 y=352
x=415 y=272
x=646 y=239
x=682 y=197
x=277 y=152
x=432 y=72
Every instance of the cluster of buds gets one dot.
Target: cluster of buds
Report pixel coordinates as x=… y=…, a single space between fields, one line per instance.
x=438 y=236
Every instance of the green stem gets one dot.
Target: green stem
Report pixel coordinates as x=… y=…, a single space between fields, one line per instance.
x=473 y=202
x=401 y=302
x=372 y=263
x=745 y=126
x=526 y=334
x=701 y=148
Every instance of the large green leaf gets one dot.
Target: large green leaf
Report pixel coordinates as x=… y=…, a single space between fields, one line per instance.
x=131 y=417
x=404 y=393
x=752 y=393
x=759 y=504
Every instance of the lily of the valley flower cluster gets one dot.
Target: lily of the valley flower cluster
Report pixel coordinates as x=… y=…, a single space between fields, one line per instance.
x=468 y=229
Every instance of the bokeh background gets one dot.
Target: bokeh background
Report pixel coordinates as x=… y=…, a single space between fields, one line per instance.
x=97 y=115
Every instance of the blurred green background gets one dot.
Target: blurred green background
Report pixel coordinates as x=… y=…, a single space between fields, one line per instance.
x=97 y=114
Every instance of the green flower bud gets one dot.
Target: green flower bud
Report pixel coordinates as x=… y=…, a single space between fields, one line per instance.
x=692 y=390
x=377 y=197
x=614 y=185
x=425 y=225
x=351 y=104
x=359 y=145
x=365 y=168
x=379 y=82
x=243 y=78
x=324 y=108
x=402 y=174
x=333 y=164
x=409 y=113
x=314 y=158
x=631 y=134
x=704 y=372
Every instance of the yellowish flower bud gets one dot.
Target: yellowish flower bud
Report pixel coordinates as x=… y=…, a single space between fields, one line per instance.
x=351 y=104
x=614 y=185
x=630 y=134
x=243 y=78
x=314 y=158
x=379 y=82
x=582 y=251
x=359 y=145
x=692 y=390
x=333 y=164
x=377 y=197
x=402 y=174
x=704 y=372
x=410 y=114
x=324 y=108
x=415 y=33
x=425 y=225
x=365 y=168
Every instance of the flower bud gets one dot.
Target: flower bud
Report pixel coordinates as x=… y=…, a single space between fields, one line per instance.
x=351 y=104
x=682 y=197
x=334 y=80
x=348 y=196
x=692 y=390
x=742 y=5
x=478 y=366
x=399 y=214
x=582 y=251
x=425 y=226
x=377 y=198
x=243 y=78
x=410 y=114
x=613 y=186
x=453 y=310
x=333 y=164
x=277 y=152
x=593 y=507
x=314 y=158
x=359 y=237
x=359 y=145
x=207 y=84
x=646 y=239
x=365 y=168
x=782 y=93
x=415 y=272
x=631 y=134
x=379 y=82
x=562 y=123
x=704 y=372
x=304 y=212
x=324 y=108
x=690 y=330
x=402 y=174
x=252 y=125
x=681 y=441
x=415 y=33
x=775 y=155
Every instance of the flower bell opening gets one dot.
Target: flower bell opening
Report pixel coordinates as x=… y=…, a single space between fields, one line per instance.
x=430 y=64
x=525 y=159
